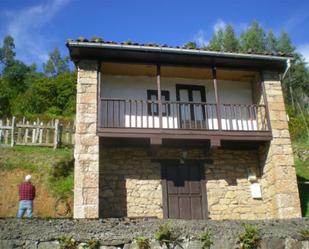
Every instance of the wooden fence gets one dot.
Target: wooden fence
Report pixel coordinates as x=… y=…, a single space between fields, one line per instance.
x=36 y=133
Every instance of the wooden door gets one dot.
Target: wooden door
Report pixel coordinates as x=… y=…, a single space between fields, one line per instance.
x=184 y=191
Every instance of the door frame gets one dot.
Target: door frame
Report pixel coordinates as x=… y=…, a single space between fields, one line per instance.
x=190 y=89
x=164 y=163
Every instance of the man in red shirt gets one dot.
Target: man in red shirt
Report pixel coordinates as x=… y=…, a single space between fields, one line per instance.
x=26 y=197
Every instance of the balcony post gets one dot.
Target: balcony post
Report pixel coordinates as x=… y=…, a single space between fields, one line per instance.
x=218 y=105
x=159 y=93
x=265 y=101
x=99 y=113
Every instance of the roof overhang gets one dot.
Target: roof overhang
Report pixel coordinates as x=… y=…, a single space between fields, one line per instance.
x=174 y=56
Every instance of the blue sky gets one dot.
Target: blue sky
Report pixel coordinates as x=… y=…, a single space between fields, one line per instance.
x=38 y=26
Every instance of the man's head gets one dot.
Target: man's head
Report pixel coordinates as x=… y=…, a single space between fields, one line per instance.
x=28 y=178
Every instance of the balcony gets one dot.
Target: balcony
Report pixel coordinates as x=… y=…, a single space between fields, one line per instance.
x=182 y=120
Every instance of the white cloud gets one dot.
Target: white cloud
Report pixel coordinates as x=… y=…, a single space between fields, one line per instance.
x=200 y=38
x=238 y=27
x=26 y=25
x=304 y=50
x=220 y=24
x=296 y=20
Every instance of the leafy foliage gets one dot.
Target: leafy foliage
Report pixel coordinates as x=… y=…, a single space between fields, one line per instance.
x=304 y=234
x=271 y=41
x=191 y=45
x=298 y=126
x=56 y=64
x=142 y=242
x=7 y=54
x=250 y=238
x=205 y=237
x=92 y=244
x=230 y=42
x=165 y=235
x=67 y=242
x=285 y=44
x=216 y=41
x=24 y=91
x=253 y=39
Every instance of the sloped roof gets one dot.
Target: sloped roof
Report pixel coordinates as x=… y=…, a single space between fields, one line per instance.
x=97 y=48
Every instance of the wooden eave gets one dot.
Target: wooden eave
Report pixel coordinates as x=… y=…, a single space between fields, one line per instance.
x=181 y=57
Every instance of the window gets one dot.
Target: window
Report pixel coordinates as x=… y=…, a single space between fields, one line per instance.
x=153 y=109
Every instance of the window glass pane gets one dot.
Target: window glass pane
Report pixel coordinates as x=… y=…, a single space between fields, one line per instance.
x=196 y=95
x=197 y=108
x=184 y=95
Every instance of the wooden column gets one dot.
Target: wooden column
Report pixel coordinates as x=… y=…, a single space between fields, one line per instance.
x=218 y=105
x=159 y=93
x=99 y=78
x=265 y=101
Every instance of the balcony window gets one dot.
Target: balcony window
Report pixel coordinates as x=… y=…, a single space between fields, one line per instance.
x=153 y=108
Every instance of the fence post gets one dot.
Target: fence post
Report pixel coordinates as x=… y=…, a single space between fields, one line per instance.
x=56 y=133
x=13 y=132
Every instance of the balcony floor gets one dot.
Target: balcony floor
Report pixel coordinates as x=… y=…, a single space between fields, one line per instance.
x=185 y=134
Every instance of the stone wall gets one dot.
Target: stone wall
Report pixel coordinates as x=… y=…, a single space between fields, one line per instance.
x=86 y=151
x=130 y=182
x=279 y=176
x=228 y=188
x=120 y=234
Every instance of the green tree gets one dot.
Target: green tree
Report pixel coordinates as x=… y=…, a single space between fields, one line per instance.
x=230 y=41
x=253 y=39
x=271 y=41
x=285 y=44
x=14 y=73
x=4 y=99
x=52 y=96
x=7 y=54
x=191 y=45
x=296 y=83
x=216 y=42
x=56 y=64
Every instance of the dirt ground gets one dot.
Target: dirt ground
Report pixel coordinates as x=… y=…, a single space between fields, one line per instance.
x=44 y=203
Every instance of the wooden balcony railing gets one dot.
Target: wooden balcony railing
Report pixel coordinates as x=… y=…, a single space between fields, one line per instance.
x=122 y=113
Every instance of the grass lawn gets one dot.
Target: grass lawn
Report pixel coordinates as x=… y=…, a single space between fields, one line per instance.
x=32 y=158
x=54 y=166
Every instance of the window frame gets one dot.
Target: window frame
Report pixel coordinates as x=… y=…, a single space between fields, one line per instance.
x=166 y=95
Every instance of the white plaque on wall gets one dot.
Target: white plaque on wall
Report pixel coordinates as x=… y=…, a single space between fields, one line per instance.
x=256 y=190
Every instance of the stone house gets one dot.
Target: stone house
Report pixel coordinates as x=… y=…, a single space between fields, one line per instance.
x=172 y=132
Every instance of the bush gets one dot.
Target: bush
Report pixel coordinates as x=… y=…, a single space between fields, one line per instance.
x=92 y=244
x=250 y=238
x=164 y=235
x=61 y=179
x=61 y=187
x=67 y=242
x=304 y=234
x=142 y=242
x=206 y=240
